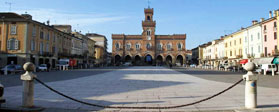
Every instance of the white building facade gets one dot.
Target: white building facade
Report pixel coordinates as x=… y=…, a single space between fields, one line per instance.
x=253 y=42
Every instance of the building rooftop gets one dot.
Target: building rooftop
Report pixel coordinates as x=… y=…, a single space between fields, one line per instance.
x=94 y=34
x=10 y=15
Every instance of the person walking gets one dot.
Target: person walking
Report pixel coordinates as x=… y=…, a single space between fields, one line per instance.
x=48 y=67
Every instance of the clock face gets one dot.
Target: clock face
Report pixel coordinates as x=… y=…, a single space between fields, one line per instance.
x=148 y=38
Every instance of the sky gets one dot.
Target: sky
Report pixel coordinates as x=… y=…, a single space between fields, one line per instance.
x=201 y=20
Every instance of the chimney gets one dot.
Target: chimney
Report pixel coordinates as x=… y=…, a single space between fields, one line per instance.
x=270 y=14
x=274 y=13
x=47 y=22
x=262 y=19
x=254 y=22
x=27 y=16
x=277 y=12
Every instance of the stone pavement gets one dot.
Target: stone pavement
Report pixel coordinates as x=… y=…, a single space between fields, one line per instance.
x=143 y=86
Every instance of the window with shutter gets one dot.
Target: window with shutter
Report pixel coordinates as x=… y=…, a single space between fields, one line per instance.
x=8 y=44
x=16 y=45
x=179 y=46
x=33 y=45
x=13 y=29
x=34 y=31
x=47 y=47
x=13 y=44
x=169 y=46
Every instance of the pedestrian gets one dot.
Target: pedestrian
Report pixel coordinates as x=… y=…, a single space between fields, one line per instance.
x=48 y=67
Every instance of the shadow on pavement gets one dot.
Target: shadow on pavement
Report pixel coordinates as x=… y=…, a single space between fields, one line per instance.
x=268 y=106
x=14 y=79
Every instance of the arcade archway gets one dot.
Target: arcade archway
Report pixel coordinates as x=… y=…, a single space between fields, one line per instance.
x=117 y=60
x=137 y=60
x=148 y=59
x=159 y=60
x=128 y=58
x=179 y=60
x=168 y=60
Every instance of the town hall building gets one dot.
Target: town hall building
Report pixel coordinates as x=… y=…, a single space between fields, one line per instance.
x=148 y=48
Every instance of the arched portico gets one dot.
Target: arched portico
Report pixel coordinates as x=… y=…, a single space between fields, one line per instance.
x=159 y=60
x=169 y=60
x=148 y=59
x=137 y=60
x=128 y=58
x=117 y=60
x=179 y=60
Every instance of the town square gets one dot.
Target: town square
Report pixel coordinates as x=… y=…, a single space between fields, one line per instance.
x=139 y=56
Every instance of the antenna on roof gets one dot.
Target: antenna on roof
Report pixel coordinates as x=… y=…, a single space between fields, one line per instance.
x=148 y=3
x=10 y=4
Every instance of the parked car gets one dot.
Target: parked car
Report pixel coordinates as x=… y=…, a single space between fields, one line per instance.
x=232 y=68
x=193 y=65
x=258 y=69
x=12 y=69
x=42 y=67
x=268 y=67
x=127 y=64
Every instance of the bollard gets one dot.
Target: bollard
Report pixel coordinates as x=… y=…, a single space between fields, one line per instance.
x=264 y=71
x=272 y=72
x=28 y=85
x=250 y=86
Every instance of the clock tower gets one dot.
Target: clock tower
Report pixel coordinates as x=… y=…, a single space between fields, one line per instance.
x=148 y=25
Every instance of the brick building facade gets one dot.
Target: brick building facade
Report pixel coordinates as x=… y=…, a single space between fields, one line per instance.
x=148 y=48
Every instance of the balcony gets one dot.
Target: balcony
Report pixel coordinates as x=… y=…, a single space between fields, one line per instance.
x=225 y=57
x=239 y=56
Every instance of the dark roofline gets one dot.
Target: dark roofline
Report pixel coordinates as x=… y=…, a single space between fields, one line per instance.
x=24 y=19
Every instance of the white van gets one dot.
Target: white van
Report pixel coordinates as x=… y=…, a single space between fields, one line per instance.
x=268 y=67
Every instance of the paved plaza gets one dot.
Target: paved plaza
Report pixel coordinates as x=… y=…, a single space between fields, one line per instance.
x=142 y=86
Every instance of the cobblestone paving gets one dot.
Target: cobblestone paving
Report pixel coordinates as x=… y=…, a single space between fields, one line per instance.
x=141 y=86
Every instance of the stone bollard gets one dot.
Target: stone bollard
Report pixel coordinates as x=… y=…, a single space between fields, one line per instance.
x=28 y=85
x=272 y=72
x=264 y=71
x=250 y=86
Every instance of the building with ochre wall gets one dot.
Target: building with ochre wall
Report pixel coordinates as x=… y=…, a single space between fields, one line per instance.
x=23 y=39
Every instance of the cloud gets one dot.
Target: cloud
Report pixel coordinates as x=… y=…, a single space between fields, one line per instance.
x=72 y=18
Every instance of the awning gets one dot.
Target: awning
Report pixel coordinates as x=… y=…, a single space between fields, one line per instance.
x=244 y=61
x=276 y=60
x=260 y=61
